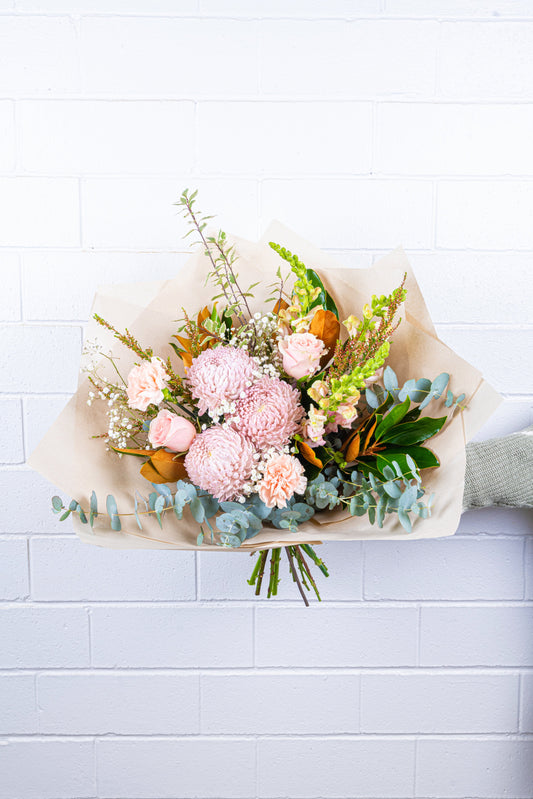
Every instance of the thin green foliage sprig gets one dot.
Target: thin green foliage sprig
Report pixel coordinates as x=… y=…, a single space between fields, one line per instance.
x=222 y=256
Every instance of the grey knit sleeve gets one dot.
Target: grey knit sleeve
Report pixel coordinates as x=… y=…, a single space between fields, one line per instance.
x=500 y=472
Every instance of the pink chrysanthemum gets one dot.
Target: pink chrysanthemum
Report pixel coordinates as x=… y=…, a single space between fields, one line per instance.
x=282 y=478
x=269 y=413
x=220 y=461
x=218 y=376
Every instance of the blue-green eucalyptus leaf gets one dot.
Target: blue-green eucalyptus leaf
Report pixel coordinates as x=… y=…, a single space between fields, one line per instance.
x=57 y=504
x=405 y=521
x=197 y=510
x=390 y=381
x=372 y=398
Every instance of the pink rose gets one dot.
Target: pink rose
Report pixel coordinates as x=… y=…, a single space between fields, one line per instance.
x=282 y=478
x=301 y=354
x=172 y=431
x=146 y=383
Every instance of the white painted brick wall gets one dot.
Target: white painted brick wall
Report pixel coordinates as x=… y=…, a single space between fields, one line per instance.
x=363 y=125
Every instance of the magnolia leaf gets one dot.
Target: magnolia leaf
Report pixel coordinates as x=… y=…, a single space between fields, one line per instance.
x=150 y=474
x=280 y=305
x=353 y=448
x=203 y=315
x=140 y=453
x=395 y=415
x=369 y=436
x=307 y=452
x=414 y=432
x=169 y=466
x=185 y=342
x=326 y=327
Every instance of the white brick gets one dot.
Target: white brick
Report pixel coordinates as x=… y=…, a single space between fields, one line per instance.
x=476 y=636
x=79 y=274
x=529 y=568
x=526 y=703
x=39 y=212
x=443 y=9
x=361 y=59
x=125 y=704
x=509 y=521
x=10 y=294
x=17 y=700
x=117 y=214
x=168 y=57
x=37 y=637
x=368 y=213
x=485 y=215
x=38 y=56
x=222 y=577
x=449 y=769
x=442 y=569
x=511 y=416
x=503 y=356
x=14 y=568
x=29 y=509
x=296 y=8
x=126 y=7
x=334 y=767
x=65 y=569
x=80 y=137
x=475 y=280
x=480 y=60
x=282 y=703
x=169 y=636
x=47 y=769
x=448 y=139
x=7 y=136
x=284 y=138
x=11 y=444
x=438 y=703
x=176 y=769
x=39 y=414
x=39 y=358
x=336 y=636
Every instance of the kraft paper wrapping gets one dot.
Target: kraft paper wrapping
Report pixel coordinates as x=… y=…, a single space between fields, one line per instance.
x=77 y=464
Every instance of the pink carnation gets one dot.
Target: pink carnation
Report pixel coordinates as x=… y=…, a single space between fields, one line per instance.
x=219 y=375
x=269 y=413
x=146 y=383
x=220 y=461
x=283 y=477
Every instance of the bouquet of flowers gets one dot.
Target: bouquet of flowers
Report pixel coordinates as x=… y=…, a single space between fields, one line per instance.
x=255 y=420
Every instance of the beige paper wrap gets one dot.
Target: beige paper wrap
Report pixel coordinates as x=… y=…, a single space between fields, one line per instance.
x=71 y=459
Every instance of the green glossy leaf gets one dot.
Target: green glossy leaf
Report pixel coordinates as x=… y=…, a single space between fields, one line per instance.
x=410 y=433
x=394 y=416
x=324 y=298
x=422 y=456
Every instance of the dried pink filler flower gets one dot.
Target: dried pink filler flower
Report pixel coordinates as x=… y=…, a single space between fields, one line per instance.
x=220 y=461
x=218 y=376
x=283 y=477
x=269 y=413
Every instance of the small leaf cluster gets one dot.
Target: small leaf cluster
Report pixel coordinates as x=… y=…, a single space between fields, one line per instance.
x=398 y=493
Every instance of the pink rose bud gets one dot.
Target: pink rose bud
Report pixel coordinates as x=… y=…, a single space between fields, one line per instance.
x=301 y=354
x=171 y=431
x=146 y=383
